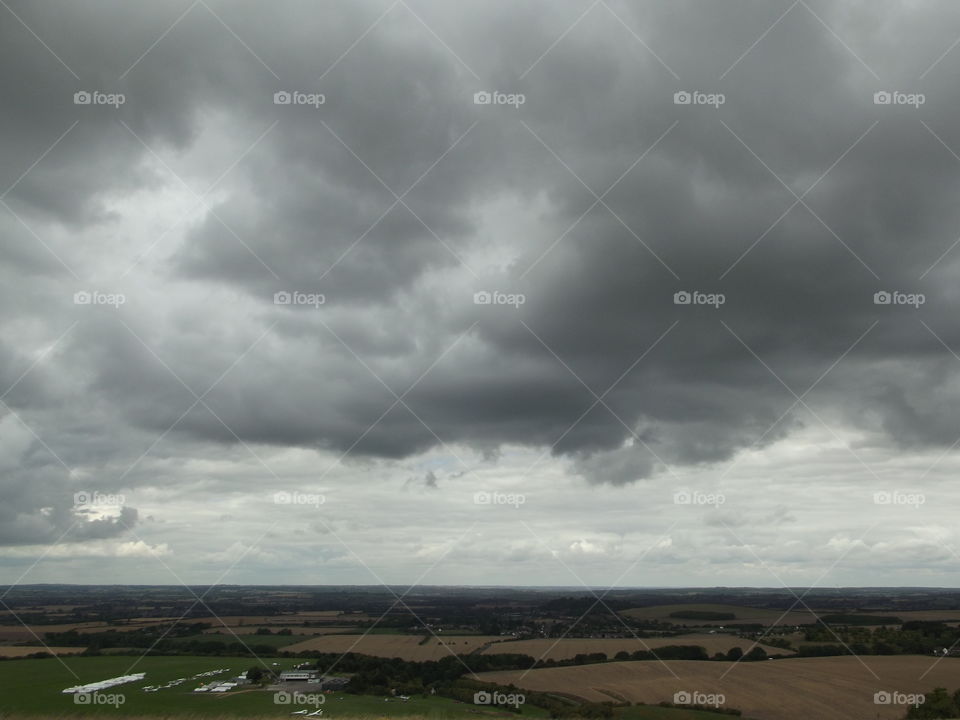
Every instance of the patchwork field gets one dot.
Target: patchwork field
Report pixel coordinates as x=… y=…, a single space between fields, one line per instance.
x=407 y=647
x=568 y=647
x=294 y=629
x=835 y=688
x=742 y=614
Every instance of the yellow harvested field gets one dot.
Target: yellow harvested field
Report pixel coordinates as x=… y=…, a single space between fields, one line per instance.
x=407 y=647
x=742 y=615
x=23 y=650
x=826 y=688
x=568 y=647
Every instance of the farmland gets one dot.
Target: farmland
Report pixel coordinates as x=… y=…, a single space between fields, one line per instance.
x=565 y=648
x=795 y=689
x=408 y=647
x=740 y=615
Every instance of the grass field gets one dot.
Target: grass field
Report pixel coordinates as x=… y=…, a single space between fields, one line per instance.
x=834 y=688
x=568 y=647
x=742 y=615
x=407 y=647
x=33 y=687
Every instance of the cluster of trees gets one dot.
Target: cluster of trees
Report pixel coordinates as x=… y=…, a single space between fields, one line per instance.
x=938 y=704
x=918 y=637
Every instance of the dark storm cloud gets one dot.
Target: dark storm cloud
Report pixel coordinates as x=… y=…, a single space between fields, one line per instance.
x=300 y=212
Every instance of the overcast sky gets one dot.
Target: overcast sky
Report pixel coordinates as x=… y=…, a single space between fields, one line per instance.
x=245 y=250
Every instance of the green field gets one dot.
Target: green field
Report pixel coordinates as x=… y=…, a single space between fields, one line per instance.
x=33 y=688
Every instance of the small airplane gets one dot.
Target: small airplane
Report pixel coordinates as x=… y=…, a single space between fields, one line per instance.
x=299 y=712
